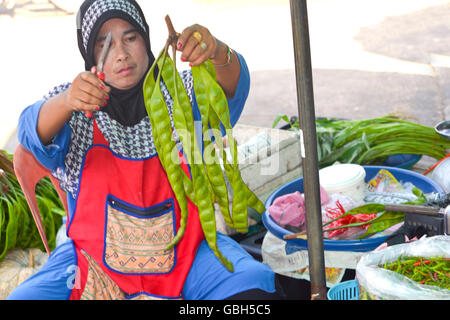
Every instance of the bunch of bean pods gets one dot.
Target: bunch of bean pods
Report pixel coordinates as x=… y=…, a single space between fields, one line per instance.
x=207 y=182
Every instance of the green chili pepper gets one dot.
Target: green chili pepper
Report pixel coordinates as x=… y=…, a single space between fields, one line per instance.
x=421 y=270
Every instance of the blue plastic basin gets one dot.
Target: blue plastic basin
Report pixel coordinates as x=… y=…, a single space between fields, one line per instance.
x=402 y=175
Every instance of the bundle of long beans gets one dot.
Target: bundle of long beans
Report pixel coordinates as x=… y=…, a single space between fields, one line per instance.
x=207 y=182
x=371 y=141
x=17 y=227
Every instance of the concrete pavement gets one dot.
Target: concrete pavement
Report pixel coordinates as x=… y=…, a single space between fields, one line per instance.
x=369 y=57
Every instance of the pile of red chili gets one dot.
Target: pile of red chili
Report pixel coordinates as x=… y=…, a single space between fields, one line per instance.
x=430 y=271
x=334 y=213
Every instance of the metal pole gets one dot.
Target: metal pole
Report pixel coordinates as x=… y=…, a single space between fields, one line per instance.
x=308 y=146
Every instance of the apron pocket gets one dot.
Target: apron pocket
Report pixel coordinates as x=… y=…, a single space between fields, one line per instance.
x=135 y=238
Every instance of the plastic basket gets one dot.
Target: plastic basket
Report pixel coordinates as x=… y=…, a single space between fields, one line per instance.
x=347 y=290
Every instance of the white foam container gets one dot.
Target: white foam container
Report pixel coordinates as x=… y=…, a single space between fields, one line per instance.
x=346 y=179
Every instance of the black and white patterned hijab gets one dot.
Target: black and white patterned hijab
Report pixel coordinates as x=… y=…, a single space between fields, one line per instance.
x=125 y=123
x=125 y=106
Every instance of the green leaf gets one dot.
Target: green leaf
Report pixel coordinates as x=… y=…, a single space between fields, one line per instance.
x=278 y=118
x=383 y=222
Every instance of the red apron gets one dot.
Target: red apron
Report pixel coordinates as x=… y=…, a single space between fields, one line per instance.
x=126 y=213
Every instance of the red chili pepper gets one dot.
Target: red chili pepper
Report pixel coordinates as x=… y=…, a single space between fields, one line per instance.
x=334 y=213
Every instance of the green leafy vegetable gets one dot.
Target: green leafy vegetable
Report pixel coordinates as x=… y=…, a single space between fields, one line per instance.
x=17 y=226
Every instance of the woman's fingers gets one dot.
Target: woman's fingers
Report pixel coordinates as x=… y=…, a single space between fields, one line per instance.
x=88 y=93
x=196 y=44
x=198 y=56
x=185 y=35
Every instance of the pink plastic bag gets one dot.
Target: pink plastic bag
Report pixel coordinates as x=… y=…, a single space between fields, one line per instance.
x=289 y=209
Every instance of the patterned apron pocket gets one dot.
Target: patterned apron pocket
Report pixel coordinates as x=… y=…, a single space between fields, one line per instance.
x=99 y=286
x=135 y=238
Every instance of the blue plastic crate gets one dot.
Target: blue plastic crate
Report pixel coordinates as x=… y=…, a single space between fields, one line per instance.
x=347 y=290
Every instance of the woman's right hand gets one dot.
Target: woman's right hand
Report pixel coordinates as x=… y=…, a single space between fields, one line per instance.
x=87 y=92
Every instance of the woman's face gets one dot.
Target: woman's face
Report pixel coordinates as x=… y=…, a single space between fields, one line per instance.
x=127 y=60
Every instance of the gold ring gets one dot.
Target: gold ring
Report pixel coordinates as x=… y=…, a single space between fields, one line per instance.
x=197 y=35
x=203 y=45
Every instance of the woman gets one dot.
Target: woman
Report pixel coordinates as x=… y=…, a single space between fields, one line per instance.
x=114 y=180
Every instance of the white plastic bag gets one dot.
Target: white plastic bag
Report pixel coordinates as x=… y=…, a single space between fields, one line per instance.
x=378 y=283
x=295 y=264
x=441 y=174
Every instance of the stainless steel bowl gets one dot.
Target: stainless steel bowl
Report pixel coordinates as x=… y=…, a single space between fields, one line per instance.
x=443 y=128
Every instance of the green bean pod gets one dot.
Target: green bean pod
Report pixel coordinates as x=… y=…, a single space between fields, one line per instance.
x=207 y=184
x=149 y=86
x=217 y=180
x=182 y=110
x=213 y=169
x=210 y=68
x=252 y=199
x=182 y=117
x=217 y=99
x=162 y=134
x=207 y=214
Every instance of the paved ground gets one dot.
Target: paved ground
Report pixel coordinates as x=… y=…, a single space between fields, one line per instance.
x=369 y=57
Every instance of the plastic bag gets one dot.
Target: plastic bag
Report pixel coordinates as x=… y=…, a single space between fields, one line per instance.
x=378 y=283
x=441 y=174
x=289 y=209
x=296 y=264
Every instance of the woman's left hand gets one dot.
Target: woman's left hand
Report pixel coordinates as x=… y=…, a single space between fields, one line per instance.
x=197 y=45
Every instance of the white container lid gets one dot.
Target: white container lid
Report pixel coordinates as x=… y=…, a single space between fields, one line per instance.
x=340 y=175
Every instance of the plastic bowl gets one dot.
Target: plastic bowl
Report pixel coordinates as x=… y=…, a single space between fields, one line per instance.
x=420 y=181
x=443 y=128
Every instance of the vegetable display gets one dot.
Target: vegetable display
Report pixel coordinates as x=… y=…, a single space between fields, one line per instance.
x=377 y=283
x=372 y=216
x=371 y=141
x=207 y=183
x=429 y=271
x=17 y=227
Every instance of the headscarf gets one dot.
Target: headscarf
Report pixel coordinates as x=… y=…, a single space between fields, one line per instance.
x=125 y=106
